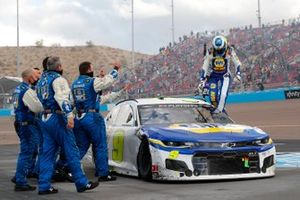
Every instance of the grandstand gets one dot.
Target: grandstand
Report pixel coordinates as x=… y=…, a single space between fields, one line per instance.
x=270 y=57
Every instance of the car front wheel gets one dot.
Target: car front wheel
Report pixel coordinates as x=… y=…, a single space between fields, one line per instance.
x=144 y=161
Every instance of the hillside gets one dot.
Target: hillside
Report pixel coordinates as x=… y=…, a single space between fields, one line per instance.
x=100 y=56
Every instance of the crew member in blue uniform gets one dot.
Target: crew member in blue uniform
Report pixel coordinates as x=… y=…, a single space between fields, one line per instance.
x=34 y=168
x=61 y=172
x=89 y=124
x=215 y=73
x=26 y=104
x=57 y=122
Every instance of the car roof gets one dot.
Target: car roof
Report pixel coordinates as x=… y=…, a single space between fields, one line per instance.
x=161 y=100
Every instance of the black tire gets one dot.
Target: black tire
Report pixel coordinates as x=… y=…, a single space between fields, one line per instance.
x=144 y=161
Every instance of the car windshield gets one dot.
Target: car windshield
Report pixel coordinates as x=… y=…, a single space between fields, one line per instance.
x=180 y=113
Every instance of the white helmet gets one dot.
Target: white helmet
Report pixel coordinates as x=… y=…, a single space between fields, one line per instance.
x=220 y=45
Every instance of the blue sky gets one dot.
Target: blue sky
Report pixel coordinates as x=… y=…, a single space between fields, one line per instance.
x=108 y=22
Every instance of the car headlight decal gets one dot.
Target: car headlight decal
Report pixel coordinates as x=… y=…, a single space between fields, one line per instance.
x=262 y=142
x=196 y=144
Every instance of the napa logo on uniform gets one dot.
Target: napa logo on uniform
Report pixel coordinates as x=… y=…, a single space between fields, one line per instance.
x=219 y=64
x=213 y=86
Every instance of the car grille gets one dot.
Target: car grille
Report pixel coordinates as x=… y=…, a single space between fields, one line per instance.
x=218 y=163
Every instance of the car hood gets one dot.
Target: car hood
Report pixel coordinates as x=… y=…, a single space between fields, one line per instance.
x=208 y=132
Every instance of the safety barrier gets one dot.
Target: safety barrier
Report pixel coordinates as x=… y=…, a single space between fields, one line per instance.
x=5 y=112
x=279 y=94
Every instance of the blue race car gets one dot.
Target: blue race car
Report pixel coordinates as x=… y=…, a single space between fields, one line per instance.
x=179 y=139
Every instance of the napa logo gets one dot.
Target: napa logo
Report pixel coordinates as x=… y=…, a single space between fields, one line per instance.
x=219 y=63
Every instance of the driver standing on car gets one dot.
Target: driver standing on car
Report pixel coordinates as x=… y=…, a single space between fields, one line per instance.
x=215 y=73
x=89 y=124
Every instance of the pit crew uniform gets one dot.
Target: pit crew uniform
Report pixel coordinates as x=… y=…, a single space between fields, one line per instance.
x=26 y=104
x=102 y=99
x=53 y=91
x=89 y=124
x=216 y=70
x=35 y=163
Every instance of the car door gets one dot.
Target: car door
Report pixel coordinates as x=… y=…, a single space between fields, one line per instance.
x=123 y=142
x=113 y=148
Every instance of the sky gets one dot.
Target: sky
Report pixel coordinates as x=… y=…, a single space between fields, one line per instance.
x=108 y=22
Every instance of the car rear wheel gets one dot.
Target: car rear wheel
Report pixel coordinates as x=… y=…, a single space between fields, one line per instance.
x=144 y=161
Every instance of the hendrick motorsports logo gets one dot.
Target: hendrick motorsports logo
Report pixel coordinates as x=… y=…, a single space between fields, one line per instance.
x=292 y=94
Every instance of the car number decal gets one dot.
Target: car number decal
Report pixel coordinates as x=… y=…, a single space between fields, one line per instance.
x=118 y=146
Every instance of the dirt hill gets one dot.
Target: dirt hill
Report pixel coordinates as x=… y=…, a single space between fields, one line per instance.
x=71 y=57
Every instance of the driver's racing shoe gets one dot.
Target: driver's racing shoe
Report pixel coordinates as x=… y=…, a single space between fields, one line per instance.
x=91 y=185
x=107 y=178
x=51 y=190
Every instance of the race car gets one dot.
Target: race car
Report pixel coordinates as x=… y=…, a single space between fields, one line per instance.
x=180 y=139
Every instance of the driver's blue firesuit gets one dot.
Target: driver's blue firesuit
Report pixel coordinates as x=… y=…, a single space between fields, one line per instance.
x=216 y=69
x=53 y=92
x=89 y=124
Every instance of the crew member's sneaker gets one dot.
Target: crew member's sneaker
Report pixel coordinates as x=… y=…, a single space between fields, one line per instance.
x=58 y=177
x=91 y=185
x=69 y=177
x=24 y=188
x=65 y=172
x=107 y=178
x=13 y=180
x=51 y=190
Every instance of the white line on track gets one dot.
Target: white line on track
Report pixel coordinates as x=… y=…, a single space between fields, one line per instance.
x=278 y=125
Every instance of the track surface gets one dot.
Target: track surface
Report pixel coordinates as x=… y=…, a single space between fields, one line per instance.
x=280 y=119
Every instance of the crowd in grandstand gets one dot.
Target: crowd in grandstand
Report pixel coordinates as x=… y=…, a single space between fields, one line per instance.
x=270 y=57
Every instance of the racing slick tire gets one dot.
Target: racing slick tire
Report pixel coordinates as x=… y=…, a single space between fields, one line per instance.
x=144 y=161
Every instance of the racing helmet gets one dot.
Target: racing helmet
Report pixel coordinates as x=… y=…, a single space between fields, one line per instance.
x=219 y=45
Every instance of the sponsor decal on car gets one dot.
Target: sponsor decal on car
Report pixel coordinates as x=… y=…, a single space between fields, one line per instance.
x=292 y=94
x=202 y=130
x=173 y=154
x=118 y=146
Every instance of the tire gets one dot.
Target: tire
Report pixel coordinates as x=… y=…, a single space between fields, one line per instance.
x=144 y=161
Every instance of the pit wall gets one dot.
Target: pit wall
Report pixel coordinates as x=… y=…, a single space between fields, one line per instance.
x=279 y=94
